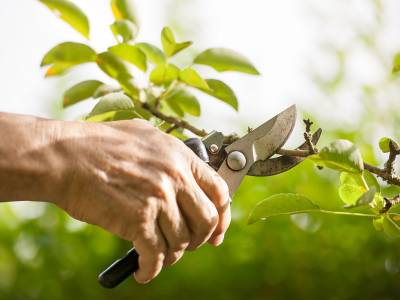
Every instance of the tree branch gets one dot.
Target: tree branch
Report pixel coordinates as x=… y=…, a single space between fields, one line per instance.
x=174 y=121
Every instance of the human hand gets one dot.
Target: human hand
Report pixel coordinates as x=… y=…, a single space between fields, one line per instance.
x=144 y=186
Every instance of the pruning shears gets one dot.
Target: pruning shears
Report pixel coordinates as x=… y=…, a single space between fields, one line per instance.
x=250 y=155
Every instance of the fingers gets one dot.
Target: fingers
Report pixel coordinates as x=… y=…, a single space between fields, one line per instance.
x=218 y=192
x=151 y=247
x=199 y=212
x=175 y=231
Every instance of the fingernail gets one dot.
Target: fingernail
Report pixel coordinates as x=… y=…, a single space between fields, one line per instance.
x=217 y=240
x=140 y=281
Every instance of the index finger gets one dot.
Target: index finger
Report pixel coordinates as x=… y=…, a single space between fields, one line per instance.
x=217 y=191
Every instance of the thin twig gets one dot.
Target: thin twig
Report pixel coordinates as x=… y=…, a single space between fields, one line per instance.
x=393 y=152
x=296 y=152
x=172 y=128
x=172 y=120
x=308 y=136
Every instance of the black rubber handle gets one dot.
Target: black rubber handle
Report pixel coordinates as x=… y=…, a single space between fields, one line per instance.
x=124 y=267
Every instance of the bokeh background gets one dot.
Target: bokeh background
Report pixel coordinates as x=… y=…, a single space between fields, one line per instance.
x=332 y=58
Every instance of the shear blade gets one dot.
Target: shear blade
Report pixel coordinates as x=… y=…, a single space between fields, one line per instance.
x=277 y=165
x=259 y=144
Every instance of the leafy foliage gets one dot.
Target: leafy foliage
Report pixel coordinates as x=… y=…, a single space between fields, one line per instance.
x=70 y=13
x=81 y=91
x=167 y=85
x=222 y=59
x=340 y=155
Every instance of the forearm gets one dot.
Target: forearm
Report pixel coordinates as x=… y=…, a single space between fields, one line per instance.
x=29 y=160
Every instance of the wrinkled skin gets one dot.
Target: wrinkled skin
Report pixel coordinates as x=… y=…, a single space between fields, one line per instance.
x=126 y=177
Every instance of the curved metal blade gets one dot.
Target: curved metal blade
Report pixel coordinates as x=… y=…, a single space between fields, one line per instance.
x=273 y=166
x=259 y=144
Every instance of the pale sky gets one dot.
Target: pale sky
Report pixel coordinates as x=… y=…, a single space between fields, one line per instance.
x=285 y=39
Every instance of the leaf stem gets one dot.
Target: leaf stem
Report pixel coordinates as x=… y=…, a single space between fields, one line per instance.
x=344 y=213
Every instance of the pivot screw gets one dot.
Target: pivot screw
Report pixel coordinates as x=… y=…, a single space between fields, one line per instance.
x=236 y=160
x=214 y=148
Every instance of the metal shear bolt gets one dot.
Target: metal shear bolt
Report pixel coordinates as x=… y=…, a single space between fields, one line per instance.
x=214 y=148
x=236 y=160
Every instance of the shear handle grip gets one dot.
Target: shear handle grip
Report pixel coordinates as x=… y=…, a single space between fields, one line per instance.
x=124 y=267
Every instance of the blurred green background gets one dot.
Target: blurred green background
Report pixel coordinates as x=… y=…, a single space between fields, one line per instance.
x=343 y=83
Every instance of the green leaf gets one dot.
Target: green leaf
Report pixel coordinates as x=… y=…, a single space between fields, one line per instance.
x=105 y=89
x=289 y=204
x=192 y=77
x=112 y=65
x=365 y=199
x=130 y=54
x=81 y=91
x=58 y=69
x=124 y=10
x=153 y=53
x=170 y=46
x=116 y=102
x=164 y=74
x=378 y=223
x=181 y=102
x=124 y=30
x=396 y=64
x=281 y=204
x=384 y=144
x=222 y=59
x=67 y=55
x=349 y=194
x=390 y=227
x=371 y=180
x=222 y=91
x=340 y=155
x=70 y=13
x=114 y=116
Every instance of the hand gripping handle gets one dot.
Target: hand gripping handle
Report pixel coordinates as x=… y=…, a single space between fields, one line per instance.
x=124 y=267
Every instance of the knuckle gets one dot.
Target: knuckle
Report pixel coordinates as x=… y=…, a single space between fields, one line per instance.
x=207 y=225
x=179 y=246
x=173 y=257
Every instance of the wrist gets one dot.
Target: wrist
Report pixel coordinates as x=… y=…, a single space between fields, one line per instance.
x=31 y=167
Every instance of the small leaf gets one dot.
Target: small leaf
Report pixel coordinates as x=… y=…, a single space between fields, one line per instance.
x=112 y=65
x=349 y=194
x=222 y=59
x=114 y=116
x=170 y=46
x=124 y=29
x=67 y=55
x=105 y=89
x=281 y=204
x=70 y=13
x=222 y=91
x=191 y=77
x=371 y=181
x=364 y=199
x=153 y=53
x=340 y=155
x=115 y=102
x=378 y=223
x=124 y=10
x=58 y=69
x=129 y=86
x=390 y=227
x=384 y=144
x=164 y=74
x=80 y=91
x=396 y=64
x=181 y=102
x=130 y=54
